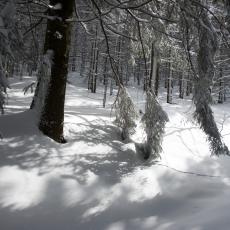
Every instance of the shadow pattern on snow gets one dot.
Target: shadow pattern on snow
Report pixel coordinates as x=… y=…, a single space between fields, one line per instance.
x=107 y=191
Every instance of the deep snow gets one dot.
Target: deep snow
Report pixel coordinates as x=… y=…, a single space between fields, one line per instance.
x=97 y=182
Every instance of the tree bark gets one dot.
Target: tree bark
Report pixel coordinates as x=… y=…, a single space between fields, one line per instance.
x=58 y=35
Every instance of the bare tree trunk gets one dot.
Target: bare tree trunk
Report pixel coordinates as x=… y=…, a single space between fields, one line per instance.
x=169 y=84
x=95 y=63
x=128 y=72
x=73 y=60
x=181 y=86
x=105 y=82
x=157 y=83
x=21 y=71
x=57 y=40
x=91 y=66
x=111 y=87
x=83 y=62
x=153 y=68
x=94 y=81
x=139 y=72
x=83 y=55
x=119 y=61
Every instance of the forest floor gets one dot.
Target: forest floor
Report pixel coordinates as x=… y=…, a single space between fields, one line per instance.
x=98 y=182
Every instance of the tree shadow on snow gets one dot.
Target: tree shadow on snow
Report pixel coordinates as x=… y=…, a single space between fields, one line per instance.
x=105 y=190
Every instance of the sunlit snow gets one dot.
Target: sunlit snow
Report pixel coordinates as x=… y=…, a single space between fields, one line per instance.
x=97 y=182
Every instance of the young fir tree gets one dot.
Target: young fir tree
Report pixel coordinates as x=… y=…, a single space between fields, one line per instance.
x=154 y=121
x=125 y=113
x=202 y=93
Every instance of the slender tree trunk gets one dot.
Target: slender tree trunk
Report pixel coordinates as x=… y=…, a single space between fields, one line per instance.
x=95 y=64
x=169 y=84
x=166 y=78
x=119 y=62
x=188 y=85
x=139 y=72
x=94 y=85
x=111 y=87
x=83 y=55
x=91 y=67
x=128 y=72
x=92 y=80
x=21 y=70
x=105 y=81
x=181 y=86
x=83 y=62
x=157 y=83
x=153 y=68
x=57 y=40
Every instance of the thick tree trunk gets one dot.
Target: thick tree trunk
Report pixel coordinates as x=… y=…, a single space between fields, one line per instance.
x=57 y=41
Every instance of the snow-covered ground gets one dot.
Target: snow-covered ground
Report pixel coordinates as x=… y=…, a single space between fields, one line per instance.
x=97 y=182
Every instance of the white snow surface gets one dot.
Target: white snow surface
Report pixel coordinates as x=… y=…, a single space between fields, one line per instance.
x=97 y=182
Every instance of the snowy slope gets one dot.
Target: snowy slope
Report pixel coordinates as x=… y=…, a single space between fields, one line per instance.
x=97 y=182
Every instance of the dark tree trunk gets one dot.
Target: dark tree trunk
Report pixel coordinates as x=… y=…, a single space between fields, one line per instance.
x=169 y=84
x=119 y=61
x=95 y=64
x=83 y=55
x=181 y=86
x=83 y=62
x=91 y=66
x=139 y=73
x=94 y=82
x=152 y=74
x=57 y=40
x=188 y=85
x=111 y=87
x=105 y=81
